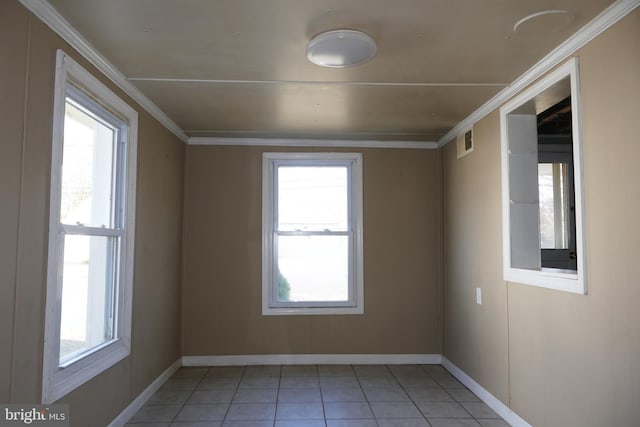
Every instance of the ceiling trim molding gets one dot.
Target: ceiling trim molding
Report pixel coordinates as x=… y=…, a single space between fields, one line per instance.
x=286 y=142
x=307 y=82
x=50 y=16
x=598 y=25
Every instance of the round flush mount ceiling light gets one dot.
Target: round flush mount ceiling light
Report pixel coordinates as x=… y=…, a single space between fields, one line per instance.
x=545 y=22
x=341 y=48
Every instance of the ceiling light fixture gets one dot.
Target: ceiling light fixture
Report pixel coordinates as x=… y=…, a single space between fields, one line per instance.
x=341 y=48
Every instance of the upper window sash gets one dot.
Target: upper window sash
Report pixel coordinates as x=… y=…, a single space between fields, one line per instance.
x=320 y=163
x=118 y=125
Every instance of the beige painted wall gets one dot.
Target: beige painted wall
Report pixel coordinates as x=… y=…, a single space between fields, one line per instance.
x=557 y=359
x=476 y=335
x=12 y=80
x=25 y=156
x=222 y=298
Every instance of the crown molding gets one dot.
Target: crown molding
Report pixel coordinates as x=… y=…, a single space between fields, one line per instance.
x=597 y=26
x=308 y=82
x=285 y=142
x=50 y=16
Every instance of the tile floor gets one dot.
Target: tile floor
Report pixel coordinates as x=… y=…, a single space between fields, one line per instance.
x=310 y=396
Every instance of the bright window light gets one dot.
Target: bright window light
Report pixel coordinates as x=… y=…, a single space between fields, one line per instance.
x=312 y=233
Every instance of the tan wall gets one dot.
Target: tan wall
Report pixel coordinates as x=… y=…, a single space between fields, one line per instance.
x=476 y=334
x=223 y=311
x=12 y=78
x=27 y=81
x=557 y=359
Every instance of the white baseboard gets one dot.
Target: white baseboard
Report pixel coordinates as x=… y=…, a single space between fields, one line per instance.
x=490 y=400
x=143 y=397
x=313 y=359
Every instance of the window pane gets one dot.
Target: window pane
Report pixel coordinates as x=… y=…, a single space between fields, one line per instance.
x=87 y=169
x=312 y=198
x=88 y=294
x=552 y=190
x=313 y=268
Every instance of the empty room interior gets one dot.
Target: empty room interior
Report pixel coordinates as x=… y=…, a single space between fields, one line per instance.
x=321 y=213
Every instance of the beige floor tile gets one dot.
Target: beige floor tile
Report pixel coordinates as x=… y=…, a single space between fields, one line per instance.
x=479 y=410
x=300 y=371
x=453 y=422
x=299 y=411
x=343 y=394
x=299 y=395
x=463 y=395
x=155 y=413
x=394 y=410
x=299 y=382
x=429 y=394
x=386 y=394
x=211 y=396
x=256 y=395
x=408 y=422
x=262 y=371
x=347 y=410
x=443 y=410
x=332 y=382
x=210 y=412
x=251 y=411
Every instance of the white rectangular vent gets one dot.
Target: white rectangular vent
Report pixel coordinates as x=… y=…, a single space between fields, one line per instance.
x=464 y=143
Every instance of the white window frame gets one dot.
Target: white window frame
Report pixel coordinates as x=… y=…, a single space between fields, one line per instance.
x=58 y=381
x=573 y=281
x=270 y=306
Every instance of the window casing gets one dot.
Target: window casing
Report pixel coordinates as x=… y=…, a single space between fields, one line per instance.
x=312 y=234
x=542 y=202
x=91 y=231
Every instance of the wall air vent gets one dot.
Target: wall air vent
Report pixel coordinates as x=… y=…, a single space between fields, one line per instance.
x=464 y=143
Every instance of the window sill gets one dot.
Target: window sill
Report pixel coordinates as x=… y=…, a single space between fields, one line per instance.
x=549 y=278
x=311 y=311
x=65 y=380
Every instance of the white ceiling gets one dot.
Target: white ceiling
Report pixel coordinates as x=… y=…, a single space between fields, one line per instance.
x=237 y=68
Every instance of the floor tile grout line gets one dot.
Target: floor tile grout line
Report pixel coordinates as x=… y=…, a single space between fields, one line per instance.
x=324 y=412
x=366 y=399
x=454 y=399
x=409 y=396
x=235 y=391
x=188 y=397
x=275 y=413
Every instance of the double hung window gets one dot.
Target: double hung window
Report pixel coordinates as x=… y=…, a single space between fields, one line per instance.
x=88 y=307
x=312 y=233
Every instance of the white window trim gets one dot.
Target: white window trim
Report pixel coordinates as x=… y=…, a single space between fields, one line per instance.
x=269 y=307
x=57 y=381
x=569 y=281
